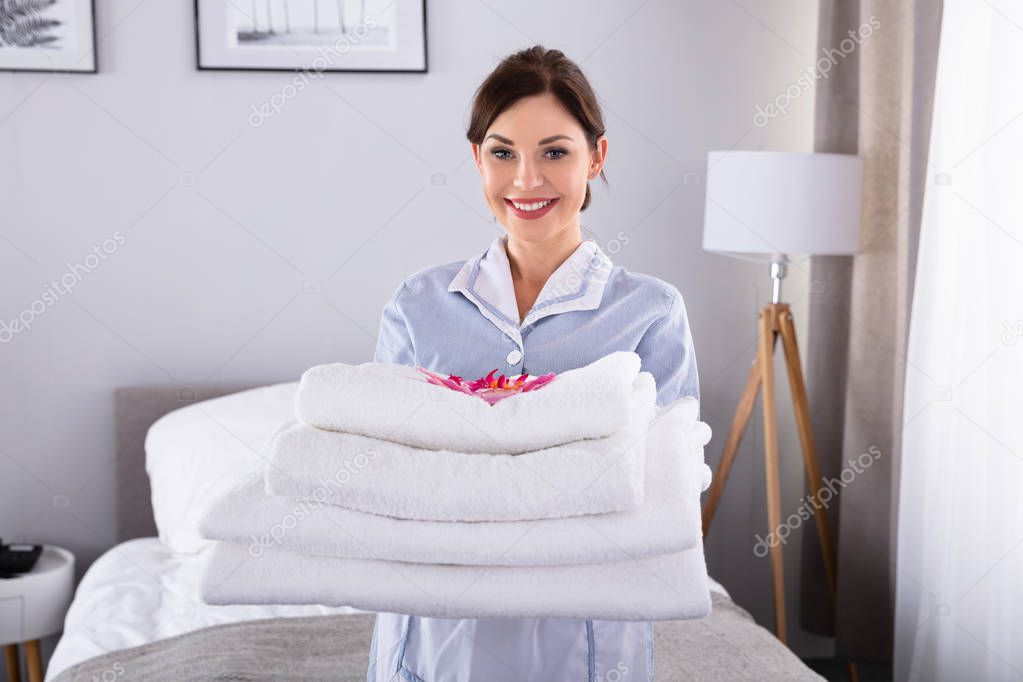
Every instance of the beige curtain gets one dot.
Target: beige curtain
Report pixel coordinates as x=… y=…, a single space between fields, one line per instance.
x=875 y=102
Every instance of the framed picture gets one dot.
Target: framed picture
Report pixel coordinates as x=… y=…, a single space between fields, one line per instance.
x=48 y=35
x=311 y=35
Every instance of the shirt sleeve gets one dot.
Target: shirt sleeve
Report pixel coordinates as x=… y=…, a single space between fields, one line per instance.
x=666 y=351
x=394 y=343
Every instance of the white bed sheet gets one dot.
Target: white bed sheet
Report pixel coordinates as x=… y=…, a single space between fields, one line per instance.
x=140 y=591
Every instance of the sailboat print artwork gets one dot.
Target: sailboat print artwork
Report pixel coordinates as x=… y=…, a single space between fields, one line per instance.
x=312 y=35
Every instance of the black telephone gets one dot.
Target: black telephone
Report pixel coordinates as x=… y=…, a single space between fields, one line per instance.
x=18 y=558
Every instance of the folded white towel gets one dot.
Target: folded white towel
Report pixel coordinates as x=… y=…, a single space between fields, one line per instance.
x=667 y=587
x=396 y=403
x=592 y=476
x=667 y=521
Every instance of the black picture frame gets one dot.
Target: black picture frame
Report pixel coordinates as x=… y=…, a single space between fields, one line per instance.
x=200 y=66
x=92 y=51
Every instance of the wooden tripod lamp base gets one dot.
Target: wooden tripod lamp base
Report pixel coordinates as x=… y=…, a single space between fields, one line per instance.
x=776 y=320
x=806 y=204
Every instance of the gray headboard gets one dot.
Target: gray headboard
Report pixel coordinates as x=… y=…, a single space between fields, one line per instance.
x=135 y=409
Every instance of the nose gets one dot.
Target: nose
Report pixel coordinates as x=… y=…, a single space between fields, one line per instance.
x=526 y=175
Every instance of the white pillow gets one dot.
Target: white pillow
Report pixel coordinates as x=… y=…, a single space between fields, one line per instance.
x=196 y=453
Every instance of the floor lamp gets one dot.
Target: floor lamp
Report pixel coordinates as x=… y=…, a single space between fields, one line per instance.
x=767 y=206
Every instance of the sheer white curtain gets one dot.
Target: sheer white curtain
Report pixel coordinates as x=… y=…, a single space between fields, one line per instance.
x=959 y=561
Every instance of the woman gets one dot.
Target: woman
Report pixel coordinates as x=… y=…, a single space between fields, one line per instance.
x=540 y=299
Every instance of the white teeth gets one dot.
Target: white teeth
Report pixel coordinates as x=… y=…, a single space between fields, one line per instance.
x=531 y=207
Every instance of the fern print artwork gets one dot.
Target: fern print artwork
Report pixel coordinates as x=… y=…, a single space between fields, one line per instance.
x=28 y=23
x=47 y=35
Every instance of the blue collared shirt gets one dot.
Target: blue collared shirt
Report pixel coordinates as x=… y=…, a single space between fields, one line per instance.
x=462 y=318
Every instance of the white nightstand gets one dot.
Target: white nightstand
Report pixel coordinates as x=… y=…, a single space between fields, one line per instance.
x=32 y=606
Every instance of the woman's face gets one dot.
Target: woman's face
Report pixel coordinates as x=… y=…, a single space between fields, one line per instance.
x=535 y=162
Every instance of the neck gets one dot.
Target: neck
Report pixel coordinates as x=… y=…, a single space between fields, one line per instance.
x=532 y=263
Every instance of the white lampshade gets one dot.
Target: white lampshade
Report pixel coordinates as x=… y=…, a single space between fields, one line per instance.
x=767 y=205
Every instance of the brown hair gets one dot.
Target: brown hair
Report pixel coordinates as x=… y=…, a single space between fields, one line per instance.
x=537 y=71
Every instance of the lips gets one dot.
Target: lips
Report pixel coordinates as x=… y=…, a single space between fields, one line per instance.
x=535 y=214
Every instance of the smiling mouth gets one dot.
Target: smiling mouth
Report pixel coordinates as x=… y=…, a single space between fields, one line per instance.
x=530 y=206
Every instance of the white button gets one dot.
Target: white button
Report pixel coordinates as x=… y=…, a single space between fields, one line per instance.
x=514 y=357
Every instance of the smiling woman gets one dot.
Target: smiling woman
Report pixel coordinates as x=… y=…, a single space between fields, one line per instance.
x=532 y=91
x=537 y=137
x=540 y=300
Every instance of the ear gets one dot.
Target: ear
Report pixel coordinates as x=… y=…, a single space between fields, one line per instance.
x=597 y=157
x=476 y=156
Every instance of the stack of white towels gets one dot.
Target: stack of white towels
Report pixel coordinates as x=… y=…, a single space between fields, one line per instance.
x=387 y=493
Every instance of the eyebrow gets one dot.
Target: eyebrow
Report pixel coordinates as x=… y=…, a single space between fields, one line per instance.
x=546 y=140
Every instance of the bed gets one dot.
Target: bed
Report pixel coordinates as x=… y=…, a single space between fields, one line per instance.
x=137 y=613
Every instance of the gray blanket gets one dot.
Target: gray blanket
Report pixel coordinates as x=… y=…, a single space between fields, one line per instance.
x=726 y=645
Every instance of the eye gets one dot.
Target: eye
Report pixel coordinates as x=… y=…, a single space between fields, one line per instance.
x=560 y=153
x=497 y=152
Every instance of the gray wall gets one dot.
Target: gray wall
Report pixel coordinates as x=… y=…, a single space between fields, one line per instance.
x=225 y=226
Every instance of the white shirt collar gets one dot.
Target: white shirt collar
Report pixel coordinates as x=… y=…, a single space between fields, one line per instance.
x=577 y=284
